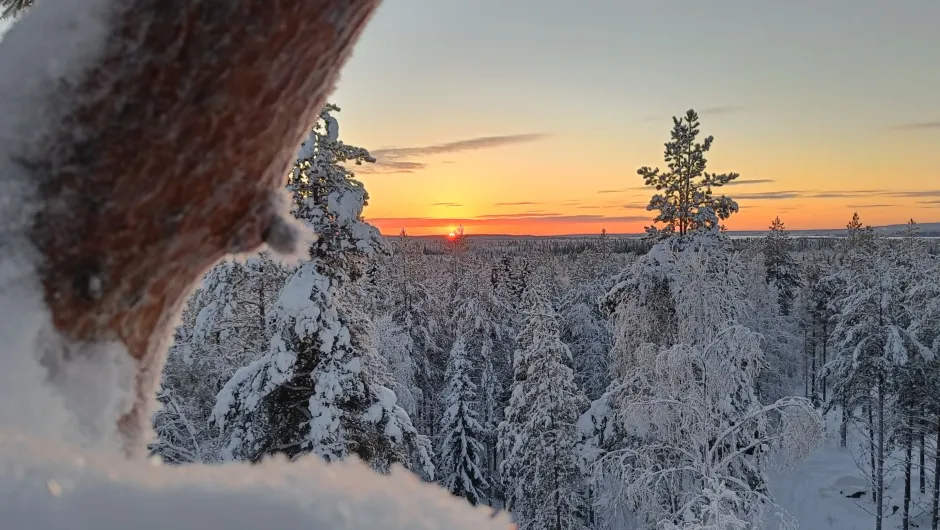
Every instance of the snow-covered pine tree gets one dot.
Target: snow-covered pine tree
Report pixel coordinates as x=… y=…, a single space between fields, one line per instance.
x=461 y=453
x=311 y=391
x=543 y=483
x=687 y=202
x=874 y=345
x=680 y=312
x=923 y=294
x=698 y=433
x=781 y=268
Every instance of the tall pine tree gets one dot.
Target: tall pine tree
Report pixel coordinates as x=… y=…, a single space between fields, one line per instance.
x=686 y=202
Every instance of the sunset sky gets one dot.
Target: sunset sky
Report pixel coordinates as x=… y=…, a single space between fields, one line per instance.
x=532 y=116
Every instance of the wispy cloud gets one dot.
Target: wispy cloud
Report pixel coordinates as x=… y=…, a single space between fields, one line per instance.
x=845 y=194
x=519 y=215
x=402 y=159
x=869 y=205
x=746 y=182
x=717 y=110
x=447 y=204
x=769 y=195
x=613 y=191
x=519 y=203
x=721 y=110
x=921 y=193
x=916 y=126
x=841 y=194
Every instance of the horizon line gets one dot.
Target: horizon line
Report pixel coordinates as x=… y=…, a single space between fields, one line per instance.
x=633 y=234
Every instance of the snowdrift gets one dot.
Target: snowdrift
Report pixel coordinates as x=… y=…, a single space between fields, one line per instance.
x=47 y=485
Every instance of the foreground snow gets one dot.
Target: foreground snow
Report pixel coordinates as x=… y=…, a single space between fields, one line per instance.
x=49 y=485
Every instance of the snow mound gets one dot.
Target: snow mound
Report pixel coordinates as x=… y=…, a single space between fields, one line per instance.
x=46 y=484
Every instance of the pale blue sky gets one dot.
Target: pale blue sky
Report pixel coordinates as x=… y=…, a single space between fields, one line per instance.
x=526 y=63
x=810 y=94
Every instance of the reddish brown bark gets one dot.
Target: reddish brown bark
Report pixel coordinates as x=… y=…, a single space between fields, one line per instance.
x=173 y=157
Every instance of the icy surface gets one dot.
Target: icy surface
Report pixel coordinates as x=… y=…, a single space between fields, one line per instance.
x=48 y=485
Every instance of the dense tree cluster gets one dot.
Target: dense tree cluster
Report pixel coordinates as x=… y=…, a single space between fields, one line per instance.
x=601 y=382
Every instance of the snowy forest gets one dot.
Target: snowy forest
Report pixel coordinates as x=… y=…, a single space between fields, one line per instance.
x=606 y=382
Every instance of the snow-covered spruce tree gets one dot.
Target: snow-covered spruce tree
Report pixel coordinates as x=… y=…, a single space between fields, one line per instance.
x=311 y=391
x=481 y=318
x=584 y=325
x=687 y=202
x=416 y=307
x=544 y=486
x=224 y=326
x=781 y=268
x=395 y=348
x=461 y=453
x=782 y=345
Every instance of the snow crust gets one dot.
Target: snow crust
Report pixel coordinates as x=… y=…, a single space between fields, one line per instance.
x=49 y=485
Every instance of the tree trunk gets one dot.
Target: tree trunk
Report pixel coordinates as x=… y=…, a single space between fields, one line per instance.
x=825 y=340
x=872 y=450
x=812 y=380
x=908 y=458
x=922 y=468
x=168 y=152
x=844 y=427
x=805 y=364
x=880 y=484
x=935 y=512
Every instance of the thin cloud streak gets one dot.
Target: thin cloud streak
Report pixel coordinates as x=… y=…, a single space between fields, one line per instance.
x=746 y=182
x=447 y=204
x=520 y=203
x=718 y=110
x=769 y=195
x=401 y=159
x=917 y=126
x=722 y=110
x=847 y=194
